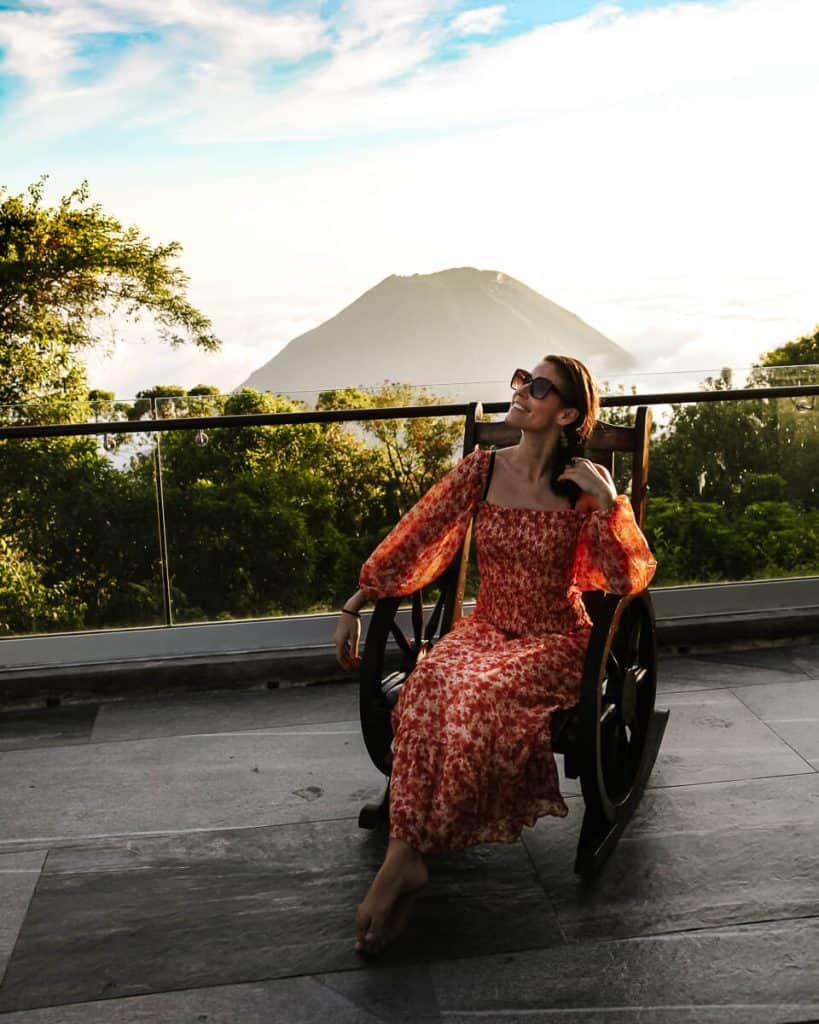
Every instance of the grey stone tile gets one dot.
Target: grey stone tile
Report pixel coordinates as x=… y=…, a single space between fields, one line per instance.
x=171 y=913
x=397 y=994
x=739 y=1014
x=792 y=711
x=691 y=857
x=217 y=781
x=807 y=658
x=484 y=894
x=706 y=673
x=568 y=787
x=764 y=972
x=227 y=712
x=772 y=658
x=46 y=727
x=711 y=736
x=294 y=1000
x=18 y=876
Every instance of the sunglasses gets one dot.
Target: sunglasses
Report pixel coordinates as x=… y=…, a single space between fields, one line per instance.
x=539 y=387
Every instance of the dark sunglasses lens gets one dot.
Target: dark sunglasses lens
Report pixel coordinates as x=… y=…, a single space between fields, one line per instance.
x=540 y=387
x=520 y=379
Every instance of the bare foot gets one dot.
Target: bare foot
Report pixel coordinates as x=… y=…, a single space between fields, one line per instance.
x=382 y=914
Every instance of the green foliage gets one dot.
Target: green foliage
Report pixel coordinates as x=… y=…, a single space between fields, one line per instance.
x=264 y=520
x=66 y=273
x=418 y=451
x=708 y=449
x=27 y=604
x=705 y=542
x=803 y=351
x=267 y=520
x=89 y=527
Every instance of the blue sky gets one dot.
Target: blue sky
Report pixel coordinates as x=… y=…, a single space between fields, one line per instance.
x=645 y=164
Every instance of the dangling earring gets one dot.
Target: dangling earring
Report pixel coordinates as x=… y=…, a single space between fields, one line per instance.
x=563 y=440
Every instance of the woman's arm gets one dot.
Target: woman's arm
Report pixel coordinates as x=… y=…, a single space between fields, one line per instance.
x=416 y=551
x=612 y=552
x=423 y=543
x=348 y=631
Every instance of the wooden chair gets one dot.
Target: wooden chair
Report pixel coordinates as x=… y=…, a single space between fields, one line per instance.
x=611 y=738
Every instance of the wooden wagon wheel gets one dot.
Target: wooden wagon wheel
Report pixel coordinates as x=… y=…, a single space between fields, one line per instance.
x=620 y=729
x=379 y=690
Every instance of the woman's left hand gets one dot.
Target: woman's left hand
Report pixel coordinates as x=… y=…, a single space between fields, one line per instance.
x=593 y=479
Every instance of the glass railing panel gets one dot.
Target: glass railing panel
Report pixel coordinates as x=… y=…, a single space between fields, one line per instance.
x=278 y=519
x=272 y=520
x=733 y=491
x=78 y=535
x=611 y=383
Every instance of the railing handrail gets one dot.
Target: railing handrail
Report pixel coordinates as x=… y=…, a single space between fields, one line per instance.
x=391 y=413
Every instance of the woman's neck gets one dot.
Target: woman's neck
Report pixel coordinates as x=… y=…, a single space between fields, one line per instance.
x=535 y=457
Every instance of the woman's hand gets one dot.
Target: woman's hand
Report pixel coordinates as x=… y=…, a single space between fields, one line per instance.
x=593 y=479
x=346 y=637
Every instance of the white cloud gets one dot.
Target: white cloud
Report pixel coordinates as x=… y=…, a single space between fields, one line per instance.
x=651 y=171
x=480 y=20
x=374 y=18
x=203 y=46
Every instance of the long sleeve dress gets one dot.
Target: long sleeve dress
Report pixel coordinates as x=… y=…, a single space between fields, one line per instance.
x=473 y=717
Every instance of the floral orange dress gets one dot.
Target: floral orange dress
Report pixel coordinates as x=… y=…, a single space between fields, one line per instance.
x=473 y=718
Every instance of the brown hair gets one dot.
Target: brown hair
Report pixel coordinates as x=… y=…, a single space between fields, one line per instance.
x=579 y=391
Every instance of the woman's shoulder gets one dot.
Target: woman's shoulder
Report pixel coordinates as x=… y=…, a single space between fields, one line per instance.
x=467 y=471
x=475 y=462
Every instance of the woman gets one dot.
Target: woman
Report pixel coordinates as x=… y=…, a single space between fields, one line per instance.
x=472 y=758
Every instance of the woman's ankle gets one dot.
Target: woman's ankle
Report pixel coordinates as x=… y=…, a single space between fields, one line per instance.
x=398 y=849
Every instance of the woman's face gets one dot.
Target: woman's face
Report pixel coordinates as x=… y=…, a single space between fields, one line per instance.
x=540 y=414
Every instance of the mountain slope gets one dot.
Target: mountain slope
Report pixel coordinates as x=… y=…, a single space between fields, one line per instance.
x=455 y=326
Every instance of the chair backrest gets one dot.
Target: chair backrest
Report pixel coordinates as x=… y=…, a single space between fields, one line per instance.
x=606 y=439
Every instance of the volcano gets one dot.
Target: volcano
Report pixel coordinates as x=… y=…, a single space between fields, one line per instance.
x=460 y=331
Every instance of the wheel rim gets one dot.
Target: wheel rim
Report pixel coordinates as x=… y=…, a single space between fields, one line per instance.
x=625 y=704
x=375 y=710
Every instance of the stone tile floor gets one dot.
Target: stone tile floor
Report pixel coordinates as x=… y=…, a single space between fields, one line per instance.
x=199 y=860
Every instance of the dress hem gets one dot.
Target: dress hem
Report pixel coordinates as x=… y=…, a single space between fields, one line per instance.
x=477 y=838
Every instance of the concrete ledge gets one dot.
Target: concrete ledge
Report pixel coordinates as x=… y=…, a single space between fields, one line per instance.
x=295 y=650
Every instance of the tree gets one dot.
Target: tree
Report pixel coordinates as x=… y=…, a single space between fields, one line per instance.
x=66 y=273
x=704 y=541
x=253 y=514
x=87 y=527
x=418 y=451
x=715 y=451
x=27 y=604
x=803 y=351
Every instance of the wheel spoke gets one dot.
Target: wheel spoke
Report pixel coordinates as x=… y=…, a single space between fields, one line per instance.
x=418 y=618
x=626 y=701
x=609 y=715
x=635 y=640
x=629 y=636
x=401 y=639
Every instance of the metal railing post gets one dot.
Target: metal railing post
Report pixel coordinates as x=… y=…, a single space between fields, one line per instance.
x=163 y=535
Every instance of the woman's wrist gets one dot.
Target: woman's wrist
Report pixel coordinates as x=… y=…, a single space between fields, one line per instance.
x=606 y=502
x=353 y=605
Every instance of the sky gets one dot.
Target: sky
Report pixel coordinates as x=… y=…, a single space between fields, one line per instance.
x=650 y=166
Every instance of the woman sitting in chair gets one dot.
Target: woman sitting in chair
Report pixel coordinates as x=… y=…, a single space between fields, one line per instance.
x=472 y=760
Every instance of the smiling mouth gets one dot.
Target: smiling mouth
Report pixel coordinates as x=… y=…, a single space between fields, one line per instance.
x=516 y=405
